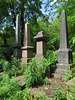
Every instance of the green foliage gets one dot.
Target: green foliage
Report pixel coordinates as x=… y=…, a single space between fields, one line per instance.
x=52 y=59
x=70 y=73
x=46 y=81
x=59 y=94
x=36 y=72
x=52 y=29
x=8 y=86
x=40 y=96
x=10 y=89
x=1 y=64
x=6 y=66
x=73 y=57
x=13 y=68
x=73 y=69
x=8 y=40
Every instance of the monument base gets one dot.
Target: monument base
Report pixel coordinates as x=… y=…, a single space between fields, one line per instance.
x=27 y=54
x=17 y=51
x=62 y=68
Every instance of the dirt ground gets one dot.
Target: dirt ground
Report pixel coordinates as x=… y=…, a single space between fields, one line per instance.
x=47 y=89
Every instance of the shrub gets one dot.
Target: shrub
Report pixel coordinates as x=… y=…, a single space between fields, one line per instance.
x=36 y=72
x=70 y=73
x=6 y=66
x=13 y=68
x=52 y=59
x=8 y=87
x=46 y=81
x=1 y=64
x=59 y=94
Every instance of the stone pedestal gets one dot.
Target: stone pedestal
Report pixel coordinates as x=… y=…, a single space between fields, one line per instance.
x=17 y=46
x=64 y=54
x=41 y=46
x=17 y=51
x=27 y=54
x=27 y=50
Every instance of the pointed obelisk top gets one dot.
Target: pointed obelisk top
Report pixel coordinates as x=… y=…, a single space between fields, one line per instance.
x=64 y=31
x=18 y=35
x=27 y=35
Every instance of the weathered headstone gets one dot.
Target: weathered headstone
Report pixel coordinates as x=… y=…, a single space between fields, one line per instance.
x=27 y=50
x=41 y=46
x=17 y=46
x=64 y=53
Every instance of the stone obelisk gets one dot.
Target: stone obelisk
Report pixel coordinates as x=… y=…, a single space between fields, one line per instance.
x=27 y=50
x=17 y=46
x=64 y=54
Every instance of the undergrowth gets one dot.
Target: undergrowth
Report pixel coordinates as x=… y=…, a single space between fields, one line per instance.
x=35 y=72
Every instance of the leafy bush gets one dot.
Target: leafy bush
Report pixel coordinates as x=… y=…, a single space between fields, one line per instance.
x=46 y=81
x=59 y=94
x=8 y=87
x=70 y=73
x=6 y=66
x=52 y=59
x=14 y=67
x=11 y=90
x=35 y=72
x=71 y=92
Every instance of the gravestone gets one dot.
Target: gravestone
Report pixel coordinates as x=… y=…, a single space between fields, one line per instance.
x=41 y=46
x=64 y=54
x=17 y=46
x=27 y=50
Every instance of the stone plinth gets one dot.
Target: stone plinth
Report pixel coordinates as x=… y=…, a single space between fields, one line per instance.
x=17 y=51
x=41 y=46
x=64 y=54
x=17 y=46
x=27 y=53
x=27 y=50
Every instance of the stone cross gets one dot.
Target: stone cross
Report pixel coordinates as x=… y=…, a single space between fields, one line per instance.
x=17 y=46
x=41 y=45
x=64 y=54
x=27 y=50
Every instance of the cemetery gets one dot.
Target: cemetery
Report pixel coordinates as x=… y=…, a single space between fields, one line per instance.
x=39 y=65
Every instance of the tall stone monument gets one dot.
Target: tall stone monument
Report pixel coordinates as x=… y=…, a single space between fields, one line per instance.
x=64 y=53
x=41 y=45
x=17 y=46
x=27 y=50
